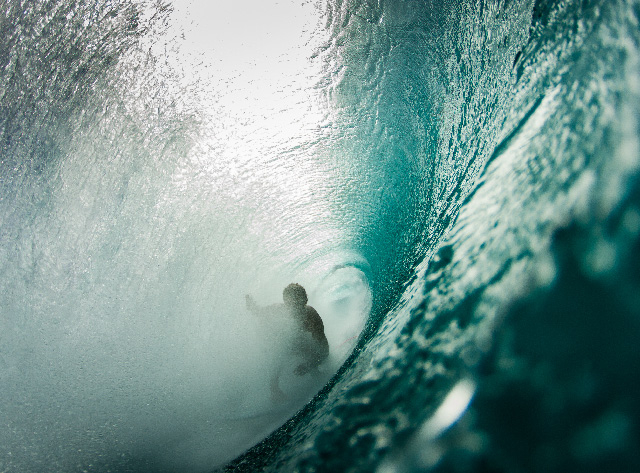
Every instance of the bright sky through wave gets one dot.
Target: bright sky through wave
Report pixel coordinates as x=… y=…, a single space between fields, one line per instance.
x=263 y=46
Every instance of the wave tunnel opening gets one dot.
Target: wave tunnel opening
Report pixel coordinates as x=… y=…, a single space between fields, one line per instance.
x=454 y=184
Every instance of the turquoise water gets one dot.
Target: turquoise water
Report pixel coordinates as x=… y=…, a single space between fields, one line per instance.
x=455 y=185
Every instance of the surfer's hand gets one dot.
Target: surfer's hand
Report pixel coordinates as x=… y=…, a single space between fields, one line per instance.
x=251 y=304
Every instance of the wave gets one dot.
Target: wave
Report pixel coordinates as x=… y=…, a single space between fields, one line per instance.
x=455 y=186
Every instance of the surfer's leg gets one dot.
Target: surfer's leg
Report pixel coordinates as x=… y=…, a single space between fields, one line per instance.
x=313 y=355
x=277 y=395
x=302 y=369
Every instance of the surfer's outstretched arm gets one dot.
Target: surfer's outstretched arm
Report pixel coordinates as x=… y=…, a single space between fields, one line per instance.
x=251 y=304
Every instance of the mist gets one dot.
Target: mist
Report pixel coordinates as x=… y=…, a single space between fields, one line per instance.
x=143 y=197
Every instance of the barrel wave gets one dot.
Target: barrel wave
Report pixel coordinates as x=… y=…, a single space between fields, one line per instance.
x=455 y=184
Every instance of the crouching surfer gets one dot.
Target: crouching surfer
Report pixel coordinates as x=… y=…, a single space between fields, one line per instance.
x=309 y=342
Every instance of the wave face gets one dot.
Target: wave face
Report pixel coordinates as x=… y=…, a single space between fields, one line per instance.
x=455 y=185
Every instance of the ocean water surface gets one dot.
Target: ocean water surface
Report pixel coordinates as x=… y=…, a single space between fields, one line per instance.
x=454 y=183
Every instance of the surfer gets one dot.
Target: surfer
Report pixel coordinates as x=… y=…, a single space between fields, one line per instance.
x=309 y=343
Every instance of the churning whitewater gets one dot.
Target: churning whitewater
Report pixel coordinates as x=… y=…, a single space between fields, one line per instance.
x=453 y=184
x=148 y=191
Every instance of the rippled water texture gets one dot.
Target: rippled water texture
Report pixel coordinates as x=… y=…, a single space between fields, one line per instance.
x=454 y=183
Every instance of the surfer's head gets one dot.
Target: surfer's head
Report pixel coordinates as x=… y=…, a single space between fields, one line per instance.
x=294 y=295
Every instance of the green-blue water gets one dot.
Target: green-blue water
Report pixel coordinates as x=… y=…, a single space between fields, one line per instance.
x=458 y=181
